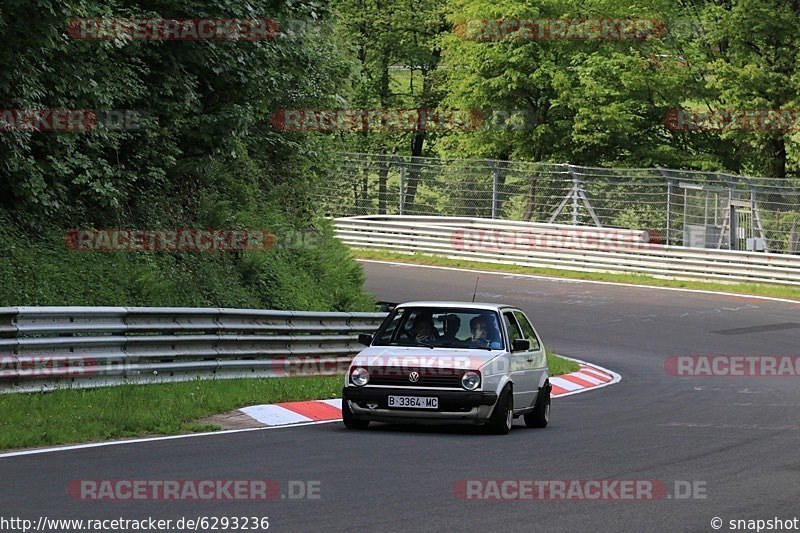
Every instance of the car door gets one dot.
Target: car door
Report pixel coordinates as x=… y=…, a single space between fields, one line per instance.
x=537 y=358
x=525 y=386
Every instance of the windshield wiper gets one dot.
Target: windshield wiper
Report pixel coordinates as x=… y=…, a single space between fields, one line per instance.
x=395 y=343
x=461 y=346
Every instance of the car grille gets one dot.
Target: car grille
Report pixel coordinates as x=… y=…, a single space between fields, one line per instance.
x=428 y=377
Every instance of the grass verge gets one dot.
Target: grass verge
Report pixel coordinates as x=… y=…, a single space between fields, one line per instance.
x=85 y=415
x=557 y=365
x=755 y=289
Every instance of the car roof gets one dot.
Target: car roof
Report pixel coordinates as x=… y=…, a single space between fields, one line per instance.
x=461 y=305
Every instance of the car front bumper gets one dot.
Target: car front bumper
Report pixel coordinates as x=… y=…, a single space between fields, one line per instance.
x=454 y=406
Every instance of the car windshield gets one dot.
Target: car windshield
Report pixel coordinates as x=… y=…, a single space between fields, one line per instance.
x=441 y=327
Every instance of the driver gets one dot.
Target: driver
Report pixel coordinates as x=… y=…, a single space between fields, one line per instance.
x=423 y=330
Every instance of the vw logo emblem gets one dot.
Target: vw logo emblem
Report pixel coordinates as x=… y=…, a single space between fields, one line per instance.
x=413 y=377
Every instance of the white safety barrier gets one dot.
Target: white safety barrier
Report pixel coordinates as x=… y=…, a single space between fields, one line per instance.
x=580 y=248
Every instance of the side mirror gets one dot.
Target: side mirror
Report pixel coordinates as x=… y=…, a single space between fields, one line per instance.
x=520 y=345
x=365 y=339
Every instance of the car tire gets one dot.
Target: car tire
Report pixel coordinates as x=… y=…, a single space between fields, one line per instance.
x=540 y=416
x=503 y=414
x=349 y=421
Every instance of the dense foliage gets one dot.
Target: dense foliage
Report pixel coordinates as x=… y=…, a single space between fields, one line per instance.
x=592 y=101
x=205 y=153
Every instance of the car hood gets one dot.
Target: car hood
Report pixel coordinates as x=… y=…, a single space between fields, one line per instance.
x=416 y=357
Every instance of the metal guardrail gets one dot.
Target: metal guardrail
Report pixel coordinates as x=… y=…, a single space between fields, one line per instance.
x=578 y=248
x=44 y=348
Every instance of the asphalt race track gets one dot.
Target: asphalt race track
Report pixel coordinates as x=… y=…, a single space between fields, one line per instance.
x=737 y=438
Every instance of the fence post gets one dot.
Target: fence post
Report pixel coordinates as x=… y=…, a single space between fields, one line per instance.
x=669 y=203
x=402 y=188
x=576 y=186
x=669 y=210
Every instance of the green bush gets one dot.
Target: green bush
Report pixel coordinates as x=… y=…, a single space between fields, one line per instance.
x=41 y=270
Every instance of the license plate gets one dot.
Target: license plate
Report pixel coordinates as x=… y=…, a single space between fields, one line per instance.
x=414 y=402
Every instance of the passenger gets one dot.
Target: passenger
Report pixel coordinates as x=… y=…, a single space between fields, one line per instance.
x=480 y=330
x=485 y=332
x=451 y=324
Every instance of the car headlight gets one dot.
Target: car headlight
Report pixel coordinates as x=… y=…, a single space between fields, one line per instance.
x=359 y=376
x=470 y=380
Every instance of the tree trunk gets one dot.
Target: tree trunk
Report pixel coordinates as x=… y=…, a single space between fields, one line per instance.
x=383 y=172
x=500 y=167
x=776 y=154
x=530 y=200
x=415 y=170
x=384 y=95
x=428 y=102
x=365 y=201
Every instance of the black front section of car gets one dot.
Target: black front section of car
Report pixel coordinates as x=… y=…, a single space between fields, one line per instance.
x=449 y=401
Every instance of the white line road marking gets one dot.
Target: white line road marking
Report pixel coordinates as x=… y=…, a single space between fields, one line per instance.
x=703 y=425
x=70 y=447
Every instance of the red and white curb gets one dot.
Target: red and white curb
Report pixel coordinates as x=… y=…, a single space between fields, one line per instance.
x=588 y=377
x=283 y=414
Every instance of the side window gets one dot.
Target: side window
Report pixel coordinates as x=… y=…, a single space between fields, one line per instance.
x=512 y=327
x=527 y=330
x=390 y=333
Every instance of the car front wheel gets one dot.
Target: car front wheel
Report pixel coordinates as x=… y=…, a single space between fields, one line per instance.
x=349 y=421
x=503 y=415
x=540 y=416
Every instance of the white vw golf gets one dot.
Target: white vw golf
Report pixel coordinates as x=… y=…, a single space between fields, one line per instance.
x=449 y=362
